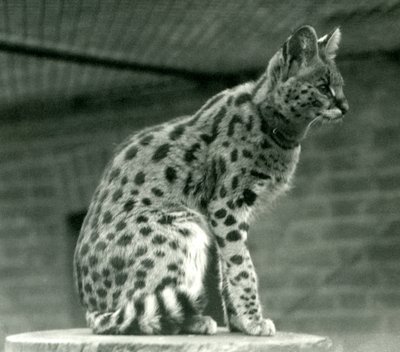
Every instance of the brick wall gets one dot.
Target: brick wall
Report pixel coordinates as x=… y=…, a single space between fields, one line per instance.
x=327 y=254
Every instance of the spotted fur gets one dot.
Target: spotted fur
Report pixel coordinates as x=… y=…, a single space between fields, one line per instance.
x=172 y=189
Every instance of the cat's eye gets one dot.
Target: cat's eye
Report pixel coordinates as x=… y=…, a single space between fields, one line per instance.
x=324 y=88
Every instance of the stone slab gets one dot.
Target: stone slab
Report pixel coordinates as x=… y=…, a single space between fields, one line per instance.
x=82 y=340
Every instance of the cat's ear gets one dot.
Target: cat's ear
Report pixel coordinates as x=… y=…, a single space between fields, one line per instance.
x=300 y=50
x=329 y=43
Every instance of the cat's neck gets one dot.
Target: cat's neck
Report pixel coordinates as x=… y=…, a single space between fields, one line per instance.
x=280 y=128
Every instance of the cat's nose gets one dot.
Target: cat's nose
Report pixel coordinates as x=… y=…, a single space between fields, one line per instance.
x=343 y=105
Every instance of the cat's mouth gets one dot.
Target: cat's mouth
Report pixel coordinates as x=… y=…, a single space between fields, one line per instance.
x=333 y=115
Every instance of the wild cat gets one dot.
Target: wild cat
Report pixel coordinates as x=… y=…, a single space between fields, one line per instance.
x=172 y=189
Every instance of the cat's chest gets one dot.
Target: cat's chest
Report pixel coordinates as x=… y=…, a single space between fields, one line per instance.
x=280 y=168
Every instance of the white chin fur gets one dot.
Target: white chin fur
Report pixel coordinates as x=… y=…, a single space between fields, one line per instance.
x=332 y=114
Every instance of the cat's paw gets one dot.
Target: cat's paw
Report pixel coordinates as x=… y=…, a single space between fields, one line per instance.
x=263 y=327
x=201 y=324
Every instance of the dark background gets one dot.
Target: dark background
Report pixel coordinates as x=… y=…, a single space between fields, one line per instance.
x=327 y=255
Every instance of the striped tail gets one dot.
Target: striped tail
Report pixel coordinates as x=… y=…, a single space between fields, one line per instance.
x=165 y=312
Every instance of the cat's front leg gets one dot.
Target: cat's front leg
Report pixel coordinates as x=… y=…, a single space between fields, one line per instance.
x=240 y=290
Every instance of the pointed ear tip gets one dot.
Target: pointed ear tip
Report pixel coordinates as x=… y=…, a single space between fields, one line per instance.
x=306 y=27
x=337 y=31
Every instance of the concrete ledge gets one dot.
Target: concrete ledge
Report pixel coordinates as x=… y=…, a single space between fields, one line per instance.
x=82 y=340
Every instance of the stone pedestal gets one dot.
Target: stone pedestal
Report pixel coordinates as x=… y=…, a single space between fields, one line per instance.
x=82 y=340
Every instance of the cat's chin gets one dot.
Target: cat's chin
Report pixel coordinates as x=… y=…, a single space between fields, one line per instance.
x=332 y=116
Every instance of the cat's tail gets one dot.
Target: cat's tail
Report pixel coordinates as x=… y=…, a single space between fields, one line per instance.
x=165 y=312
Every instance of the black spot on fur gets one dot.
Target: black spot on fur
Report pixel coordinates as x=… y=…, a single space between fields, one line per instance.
x=120 y=278
x=145 y=231
x=88 y=288
x=220 y=213
x=214 y=129
x=230 y=204
x=84 y=249
x=242 y=275
x=94 y=236
x=233 y=236
x=129 y=204
x=93 y=260
x=190 y=153
x=101 y=292
x=170 y=174
x=244 y=226
x=105 y=320
x=222 y=191
x=184 y=232
x=93 y=301
x=107 y=217
x=116 y=294
x=249 y=124
x=231 y=127
x=234 y=155
x=166 y=281
x=249 y=197
x=237 y=259
x=114 y=174
x=120 y=226
x=146 y=201
x=85 y=270
x=235 y=182
x=213 y=223
x=124 y=240
x=172 y=267
x=131 y=153
x=95 y=276
x=146 y=140
x=159 y=239
x=159 y=253
x=142 y=250
x=101 y=246
x=139 y=284
x=247 y=154
x=124 y=181
x=177 y=132
x=141 y=219
x=242 y=98
x=165 y=219
x=220 y=241
x=173 y=245
x=110 y=236
x=117 y=263
x=139 y=178
x=148 y=263
x=103 y=196
x=157 y=192
x=222 y=165
x=117 y=194
x=161 y=152
x=230 y=220
x=260 y=175
x=141 y=274
x=188 y=184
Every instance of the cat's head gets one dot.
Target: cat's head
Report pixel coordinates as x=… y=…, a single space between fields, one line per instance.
x=303 y=80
